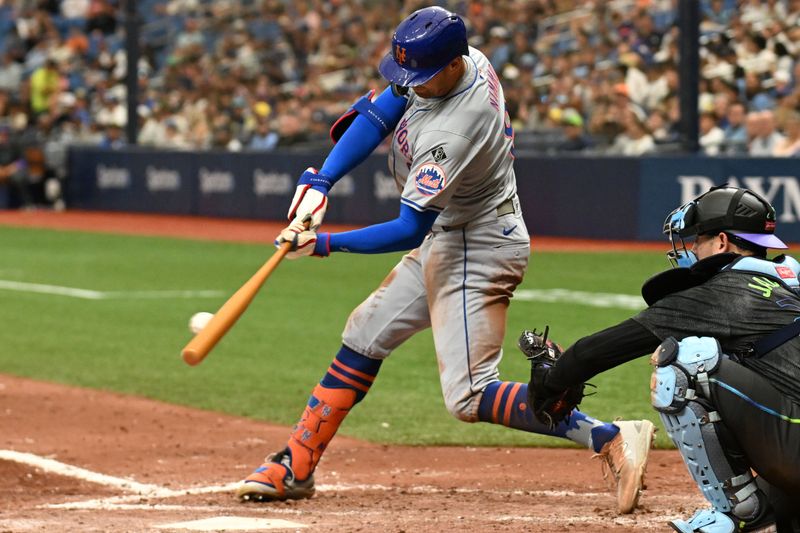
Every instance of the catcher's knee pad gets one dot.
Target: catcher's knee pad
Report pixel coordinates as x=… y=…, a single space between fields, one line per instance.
x=679 y=392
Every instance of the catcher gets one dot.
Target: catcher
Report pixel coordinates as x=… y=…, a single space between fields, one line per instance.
x=724 y=327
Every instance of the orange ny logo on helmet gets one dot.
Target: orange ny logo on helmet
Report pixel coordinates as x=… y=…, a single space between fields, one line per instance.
x=400 y=54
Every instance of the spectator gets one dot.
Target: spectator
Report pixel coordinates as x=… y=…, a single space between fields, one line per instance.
x=753 y=129
x=45 y=83
x=635 y=139
x=782 y=83
x=112 y=112
x=711 y=135
x=263 y=138
x=101 y=16
x=173 y=138
x=113 y=139
x=718 y=14
x=754 y=56
x=77 y=43
x=766 y=138
x=190 y=39
x=499 y=49
x=10 y=73
x=735 y=141
x=290 y=130
x=789 y=146
x=223 y=139
x=77 y=10
x=13 y=169
x=152 y=132
x=648 y=38
x=576 y=140
x=659 y=126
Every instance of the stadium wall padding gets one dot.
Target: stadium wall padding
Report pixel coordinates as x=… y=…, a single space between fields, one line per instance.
x=585 y=197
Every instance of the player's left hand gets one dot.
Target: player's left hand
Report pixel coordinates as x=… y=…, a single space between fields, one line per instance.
x=550 y=407
x=302 y=240
x=309 y=204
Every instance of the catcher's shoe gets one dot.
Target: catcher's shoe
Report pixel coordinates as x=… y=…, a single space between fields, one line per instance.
x=706 y=520
x=274 y=480
x=712 y=521
x=625 y=458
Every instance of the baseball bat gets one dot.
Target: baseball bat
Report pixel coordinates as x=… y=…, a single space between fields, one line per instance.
x=201 y=344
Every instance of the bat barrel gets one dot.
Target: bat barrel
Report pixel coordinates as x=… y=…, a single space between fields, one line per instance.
x=201 y=344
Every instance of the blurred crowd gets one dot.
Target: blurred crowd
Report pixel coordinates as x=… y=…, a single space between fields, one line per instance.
x=593 y=76
x=603 y=78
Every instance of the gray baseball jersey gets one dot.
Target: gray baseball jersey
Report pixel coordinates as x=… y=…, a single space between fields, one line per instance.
x=453 y=155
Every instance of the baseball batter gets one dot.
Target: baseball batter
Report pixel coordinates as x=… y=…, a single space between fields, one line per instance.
x=452 y=158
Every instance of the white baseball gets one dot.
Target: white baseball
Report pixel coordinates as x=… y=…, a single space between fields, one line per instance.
x=199 y=321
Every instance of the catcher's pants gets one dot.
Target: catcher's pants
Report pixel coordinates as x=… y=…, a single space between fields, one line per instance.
x=764 y=441
x=458 y=282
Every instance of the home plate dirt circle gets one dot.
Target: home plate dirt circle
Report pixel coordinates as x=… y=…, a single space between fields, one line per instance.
x=90 y=461
x=83 y=460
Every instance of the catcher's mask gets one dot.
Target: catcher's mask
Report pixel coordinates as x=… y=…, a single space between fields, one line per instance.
x=747 y=219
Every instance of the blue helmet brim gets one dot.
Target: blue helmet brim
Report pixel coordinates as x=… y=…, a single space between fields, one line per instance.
x=402 y=76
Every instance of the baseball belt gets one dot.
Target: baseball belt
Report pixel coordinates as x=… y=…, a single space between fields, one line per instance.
x=506 y=208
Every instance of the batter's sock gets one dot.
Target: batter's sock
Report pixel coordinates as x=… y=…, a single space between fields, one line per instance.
x=505 y=403
x=351 y=370
x=345 y=384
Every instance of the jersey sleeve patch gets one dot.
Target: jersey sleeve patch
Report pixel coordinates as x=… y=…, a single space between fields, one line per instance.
x=430 y=179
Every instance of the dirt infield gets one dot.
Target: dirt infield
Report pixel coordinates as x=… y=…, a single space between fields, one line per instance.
x=162 y=450
x=147 y=466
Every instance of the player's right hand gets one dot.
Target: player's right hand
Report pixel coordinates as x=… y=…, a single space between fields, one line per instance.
x=303 y=241
x=308 y=203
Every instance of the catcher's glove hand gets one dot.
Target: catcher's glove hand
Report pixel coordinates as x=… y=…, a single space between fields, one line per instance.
x=550 y=407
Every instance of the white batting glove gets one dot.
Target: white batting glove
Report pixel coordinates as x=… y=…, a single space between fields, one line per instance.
x=309 y=204
x=302 y=240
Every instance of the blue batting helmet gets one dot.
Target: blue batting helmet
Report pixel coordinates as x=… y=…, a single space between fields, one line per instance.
x=422 y=45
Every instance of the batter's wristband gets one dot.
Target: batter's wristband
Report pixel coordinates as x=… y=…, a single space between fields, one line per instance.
x=318 y=181
x=322 y=247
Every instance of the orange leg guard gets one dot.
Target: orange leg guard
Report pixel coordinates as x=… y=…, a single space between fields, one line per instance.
x=317 y=427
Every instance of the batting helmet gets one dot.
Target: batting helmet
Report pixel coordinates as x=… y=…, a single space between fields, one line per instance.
x=739 y=212
x=422 y=45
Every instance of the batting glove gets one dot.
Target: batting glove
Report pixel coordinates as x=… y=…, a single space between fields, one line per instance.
x=302 y=240
x=309 y=203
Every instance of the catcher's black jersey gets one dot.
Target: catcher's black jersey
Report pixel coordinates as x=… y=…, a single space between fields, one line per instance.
x=736 y=308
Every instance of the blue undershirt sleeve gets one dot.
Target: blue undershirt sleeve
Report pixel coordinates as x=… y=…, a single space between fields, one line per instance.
x=362 y=137
x=406 y=232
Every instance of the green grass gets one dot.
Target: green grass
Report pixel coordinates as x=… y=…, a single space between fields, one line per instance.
x=268 y=363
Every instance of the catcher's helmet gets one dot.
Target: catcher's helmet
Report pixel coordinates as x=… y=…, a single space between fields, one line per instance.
x=740 y=212
x=422 y=45
x=744 y=215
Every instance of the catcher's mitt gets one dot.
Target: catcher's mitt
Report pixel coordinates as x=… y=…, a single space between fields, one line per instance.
x=550 y=407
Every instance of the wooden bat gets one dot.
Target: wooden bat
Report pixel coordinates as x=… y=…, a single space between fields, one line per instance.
x=197 y=349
